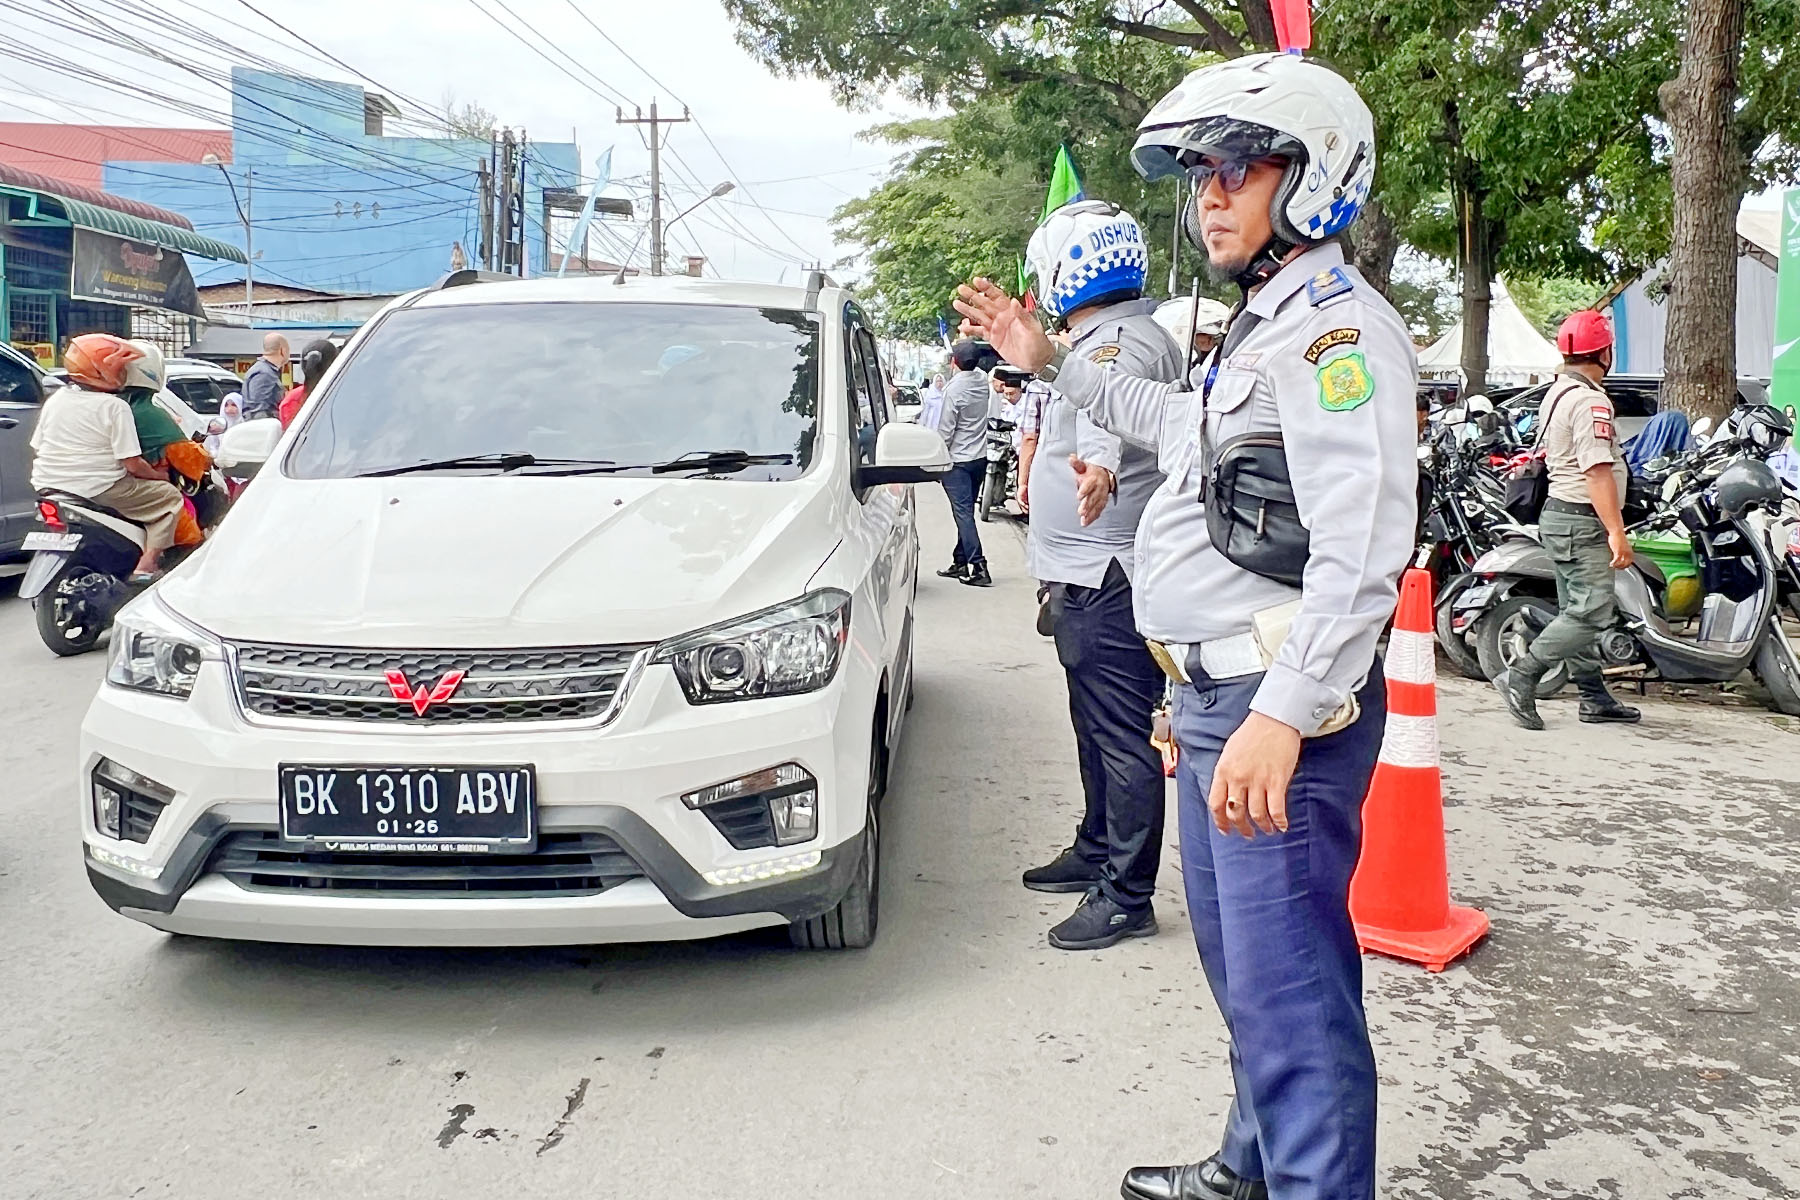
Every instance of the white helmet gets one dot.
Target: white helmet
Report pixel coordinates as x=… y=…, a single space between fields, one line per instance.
x=146 y=370
x=1271 y=104
x=1177 y=316
x=1084 y=253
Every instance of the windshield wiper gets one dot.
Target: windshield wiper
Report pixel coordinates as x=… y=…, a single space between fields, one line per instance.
x=717 y=460
x=505 y=461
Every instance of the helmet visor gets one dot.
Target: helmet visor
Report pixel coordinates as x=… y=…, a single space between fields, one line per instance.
x=1169 y=149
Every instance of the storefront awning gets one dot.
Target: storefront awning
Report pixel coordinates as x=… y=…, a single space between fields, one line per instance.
x=137 y=229
x=47 y=207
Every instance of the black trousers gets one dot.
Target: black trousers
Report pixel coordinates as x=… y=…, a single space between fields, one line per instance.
x=1114 y=686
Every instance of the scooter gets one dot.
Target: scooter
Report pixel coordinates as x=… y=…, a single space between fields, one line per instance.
x=1002 y=479
x=82 y=561
x=1738 y=622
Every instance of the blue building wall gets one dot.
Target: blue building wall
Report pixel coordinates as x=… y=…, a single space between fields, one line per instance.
x=332 y=207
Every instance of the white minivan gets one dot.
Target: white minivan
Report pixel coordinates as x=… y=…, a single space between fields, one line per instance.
x=566 y=612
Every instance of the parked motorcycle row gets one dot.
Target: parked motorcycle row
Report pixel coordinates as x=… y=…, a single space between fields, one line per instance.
x=1715 y=532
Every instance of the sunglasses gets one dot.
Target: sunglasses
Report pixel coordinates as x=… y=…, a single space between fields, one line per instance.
x=1230 y=172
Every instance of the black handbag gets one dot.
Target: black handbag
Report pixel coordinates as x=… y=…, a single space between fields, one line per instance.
x=1528 y=487
x=1252 y=517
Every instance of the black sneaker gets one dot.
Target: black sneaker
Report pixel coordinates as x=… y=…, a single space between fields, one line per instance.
x=954 y=571
x=1067 y=872
x=1100 y=923
x=978 y=576
x=1608 y=710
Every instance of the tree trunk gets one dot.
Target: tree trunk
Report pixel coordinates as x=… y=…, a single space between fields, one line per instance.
x=1709 y=175
x=1374 y=241
x=1259 y=23
x=1477 y=247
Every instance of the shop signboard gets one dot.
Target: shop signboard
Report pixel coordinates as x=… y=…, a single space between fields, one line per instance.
x=115 y=270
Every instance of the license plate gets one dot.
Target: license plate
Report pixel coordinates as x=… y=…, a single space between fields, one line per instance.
x=1475 y=597
x=426 y=810
x=44 y=540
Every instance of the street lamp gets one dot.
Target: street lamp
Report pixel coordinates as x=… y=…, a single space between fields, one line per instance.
x=243 y=212
x=656 y=258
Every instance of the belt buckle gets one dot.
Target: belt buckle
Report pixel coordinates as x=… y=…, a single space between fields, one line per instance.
x=1166 y=661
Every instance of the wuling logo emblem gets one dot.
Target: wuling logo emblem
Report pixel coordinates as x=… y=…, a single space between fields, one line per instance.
x=423 y=698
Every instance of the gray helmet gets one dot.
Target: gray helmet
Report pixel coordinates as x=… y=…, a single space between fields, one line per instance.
x=1764 y=426
x=1745 y=484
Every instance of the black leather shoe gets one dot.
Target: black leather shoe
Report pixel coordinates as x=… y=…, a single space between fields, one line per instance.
x=1100 y=923
x=978 y=576
x=1601 y=712
x=954 y=571
x=1067 y=872
x=1209 y=1180
x=1520 y=693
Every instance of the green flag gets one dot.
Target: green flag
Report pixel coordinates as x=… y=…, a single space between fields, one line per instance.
x=1785 y=390
x=1065 y=183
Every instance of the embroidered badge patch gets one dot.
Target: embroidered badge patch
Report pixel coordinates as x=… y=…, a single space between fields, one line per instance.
x=1104 y=355
x=1345 y=383
x=1603 y=430
x=1337 y=337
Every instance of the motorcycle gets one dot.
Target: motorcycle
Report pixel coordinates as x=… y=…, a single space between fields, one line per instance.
x=82 y=561
x=1463 y=519
x=1001 y=482
x=1727 y=621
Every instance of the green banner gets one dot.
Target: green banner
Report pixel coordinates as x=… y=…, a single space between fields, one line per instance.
x=1784 y=391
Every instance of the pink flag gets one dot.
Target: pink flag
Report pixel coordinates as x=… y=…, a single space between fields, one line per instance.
x=1293 y=24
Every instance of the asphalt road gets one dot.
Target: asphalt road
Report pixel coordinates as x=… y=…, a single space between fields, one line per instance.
x=1631 y=1029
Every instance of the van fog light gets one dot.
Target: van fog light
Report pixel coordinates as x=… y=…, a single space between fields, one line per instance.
x=119 y=862
x=774 y=868
x=778 y=806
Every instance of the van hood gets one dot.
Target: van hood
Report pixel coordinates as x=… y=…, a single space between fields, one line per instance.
x=452 y=563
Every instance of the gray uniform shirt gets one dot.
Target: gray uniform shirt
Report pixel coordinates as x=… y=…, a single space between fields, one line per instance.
x=1580 y=433
x=968 y=398
x=1059 y=548
x=1330 y=365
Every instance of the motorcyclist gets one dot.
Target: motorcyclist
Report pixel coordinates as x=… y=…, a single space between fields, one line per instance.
x=162 y=441
x=87 y=445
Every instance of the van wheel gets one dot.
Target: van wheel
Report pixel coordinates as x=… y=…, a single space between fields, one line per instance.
x=66 y=624
x=851 y=924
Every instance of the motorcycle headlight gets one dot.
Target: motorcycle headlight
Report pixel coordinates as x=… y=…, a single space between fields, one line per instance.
x=781 y=651
x=154 y=651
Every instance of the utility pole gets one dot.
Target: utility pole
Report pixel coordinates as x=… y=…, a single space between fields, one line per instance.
x=519 y=206
x=485 y=250
x=249 y=249
x=506 y=178
x=656 y=222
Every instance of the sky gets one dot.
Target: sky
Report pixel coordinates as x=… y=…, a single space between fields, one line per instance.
x=786 y=144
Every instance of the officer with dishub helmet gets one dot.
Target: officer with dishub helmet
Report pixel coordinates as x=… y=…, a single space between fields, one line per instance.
x=1266 y=571
x=1088 y=490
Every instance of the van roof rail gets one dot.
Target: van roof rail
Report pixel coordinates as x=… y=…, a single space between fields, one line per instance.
x=816 y=282
x=470 y=275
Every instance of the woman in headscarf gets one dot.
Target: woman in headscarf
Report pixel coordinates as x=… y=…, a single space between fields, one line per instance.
x=231 y=411
x=160 y=440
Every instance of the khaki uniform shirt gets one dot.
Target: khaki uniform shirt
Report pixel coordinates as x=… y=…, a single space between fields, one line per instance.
x=1581 y=433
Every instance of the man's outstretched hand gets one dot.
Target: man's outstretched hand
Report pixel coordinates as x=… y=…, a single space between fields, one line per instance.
x=990 y=313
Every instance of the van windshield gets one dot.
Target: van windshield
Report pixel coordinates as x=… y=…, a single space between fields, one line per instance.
x=567 y=388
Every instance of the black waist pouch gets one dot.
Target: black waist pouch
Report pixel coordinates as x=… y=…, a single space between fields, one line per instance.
x=1251 y=515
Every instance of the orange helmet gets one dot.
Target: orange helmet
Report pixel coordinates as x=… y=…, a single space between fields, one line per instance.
x=98 y=361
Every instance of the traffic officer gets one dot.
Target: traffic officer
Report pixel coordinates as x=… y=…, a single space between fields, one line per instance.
x=968 y=401
x=1280 y=701
x=1582 y=526
x=1089 y=489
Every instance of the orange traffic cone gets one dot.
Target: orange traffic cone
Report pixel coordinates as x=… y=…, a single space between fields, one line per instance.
x=1400 y=896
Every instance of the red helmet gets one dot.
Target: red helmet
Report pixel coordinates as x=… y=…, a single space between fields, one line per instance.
x=98 y=360
x=1584 y=332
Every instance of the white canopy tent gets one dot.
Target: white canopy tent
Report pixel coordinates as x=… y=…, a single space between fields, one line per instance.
x=1517 y=352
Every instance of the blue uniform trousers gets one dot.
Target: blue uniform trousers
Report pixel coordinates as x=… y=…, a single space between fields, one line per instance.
x=1271 y=917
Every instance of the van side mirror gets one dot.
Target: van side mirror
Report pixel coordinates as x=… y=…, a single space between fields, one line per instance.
x=246 y=446
x=905 y=453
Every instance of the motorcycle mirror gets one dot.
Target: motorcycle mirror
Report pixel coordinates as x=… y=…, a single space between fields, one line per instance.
x=246 y=446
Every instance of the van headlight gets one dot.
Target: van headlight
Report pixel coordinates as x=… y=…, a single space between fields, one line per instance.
x=153 y=651
x=781 y=651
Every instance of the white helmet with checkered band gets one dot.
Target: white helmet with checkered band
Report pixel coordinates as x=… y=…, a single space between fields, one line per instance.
x=1264 y=105
x=1088 y=252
